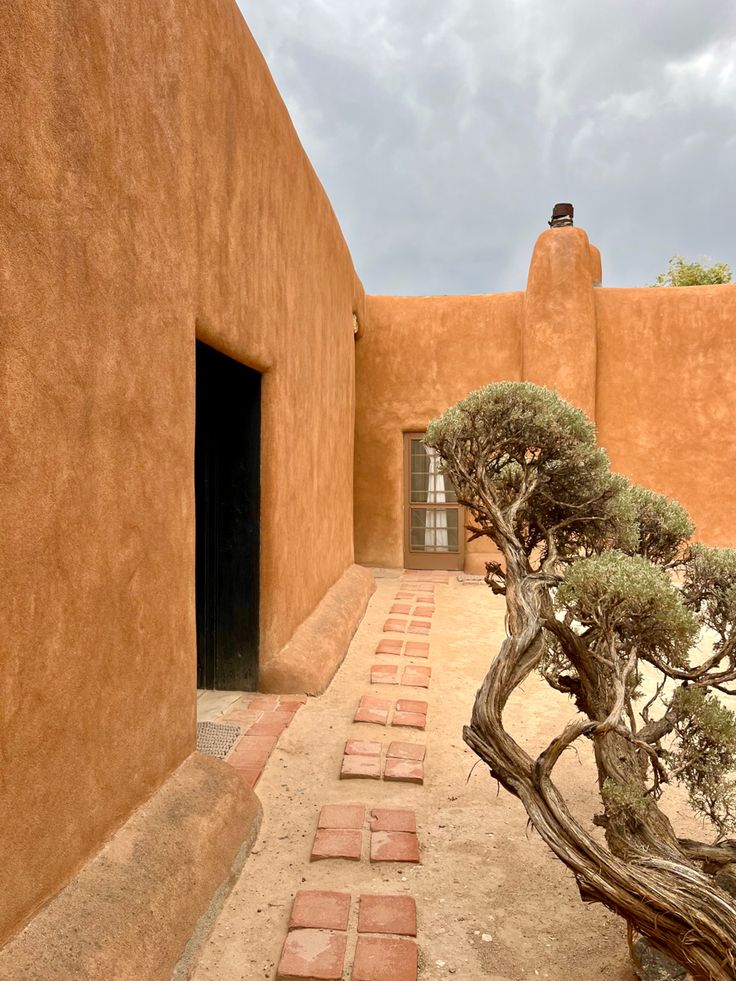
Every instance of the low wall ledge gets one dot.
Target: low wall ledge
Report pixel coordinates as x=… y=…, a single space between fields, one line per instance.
x=317 y=648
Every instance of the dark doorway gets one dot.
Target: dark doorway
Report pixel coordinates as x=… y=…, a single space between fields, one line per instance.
x=227 y=495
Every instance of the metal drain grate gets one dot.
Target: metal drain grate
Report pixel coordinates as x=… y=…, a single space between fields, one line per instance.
x=216 y=740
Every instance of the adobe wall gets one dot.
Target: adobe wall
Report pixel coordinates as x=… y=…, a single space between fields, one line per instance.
x=652 y=367
x=666 y=396
x=417 y=357
x=152 y=187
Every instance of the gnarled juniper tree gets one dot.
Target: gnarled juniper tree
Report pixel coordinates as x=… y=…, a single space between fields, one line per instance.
x=592 y=604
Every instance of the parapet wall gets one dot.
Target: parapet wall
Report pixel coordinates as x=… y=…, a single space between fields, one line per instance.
x=652 y=367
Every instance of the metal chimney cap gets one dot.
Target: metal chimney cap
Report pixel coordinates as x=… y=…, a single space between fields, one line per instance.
x=562 y=215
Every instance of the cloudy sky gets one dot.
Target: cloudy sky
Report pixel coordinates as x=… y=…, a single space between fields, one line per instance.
x=445 y=130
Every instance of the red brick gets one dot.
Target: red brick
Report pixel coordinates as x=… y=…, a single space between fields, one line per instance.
x=412 y=705
x=385 y=959
x=368 y=767
x=299 y=698
x=406 y=751
x=342 y=816
x=401 y=608
x=416 y=676
x=319 y=910
x=416 y=648
x=388 y=914
x=376 y=716
x=385 y=674
x=267 y=727
x=397 y=626
x=418 y=627
x=394 y=846
x=423 y=611
x=388 y=646
x=393 y=819
x=408 y=771
x=337 y=844
x=412 y=720
x=374 y=702
x=361 y=747
x=312 y=954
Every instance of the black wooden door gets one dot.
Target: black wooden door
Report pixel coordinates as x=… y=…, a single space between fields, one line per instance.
x=227 y=493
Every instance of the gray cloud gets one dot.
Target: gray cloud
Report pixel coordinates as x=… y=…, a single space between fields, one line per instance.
x=444 y=131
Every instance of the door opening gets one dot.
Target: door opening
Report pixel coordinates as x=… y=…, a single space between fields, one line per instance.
x=227 y=503
x=434 y=535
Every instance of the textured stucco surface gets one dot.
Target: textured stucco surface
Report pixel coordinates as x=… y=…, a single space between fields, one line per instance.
x=559 y=337
x=152 y=188
x=667 y=396
x=316 y=650
x=417 y=356
x=130 y=912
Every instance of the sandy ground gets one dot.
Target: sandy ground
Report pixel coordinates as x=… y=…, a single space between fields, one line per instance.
x=492 y=901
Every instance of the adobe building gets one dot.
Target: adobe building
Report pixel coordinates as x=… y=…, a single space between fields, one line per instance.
x=207 y=443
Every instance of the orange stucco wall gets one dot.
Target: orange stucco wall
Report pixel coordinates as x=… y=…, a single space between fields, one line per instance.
x=666 y=395
x=152 y=188
x=417 y=356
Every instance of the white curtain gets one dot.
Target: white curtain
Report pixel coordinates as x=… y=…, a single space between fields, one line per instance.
x=436 y=519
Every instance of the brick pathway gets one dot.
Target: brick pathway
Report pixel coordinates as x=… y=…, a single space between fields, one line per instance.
x=262 y=719
x=319 y=942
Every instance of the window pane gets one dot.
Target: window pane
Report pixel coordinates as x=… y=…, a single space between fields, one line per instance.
x=434 y=529
x=428 y=485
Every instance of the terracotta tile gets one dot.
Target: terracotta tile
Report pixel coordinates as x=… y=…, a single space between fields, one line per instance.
x=313 y=954
x=404 y=608
x=408 y=771
x=342 y=816
x=416 y=648
x=249 y=776
x=418 y=627
x=385 y=959
x=265 y=702
x=411 y=720
x=385 y=674
x=393 y=819
x=376 y=716
x=368 y=767
x=267 y=727
x=287 y=709
x=406 y=751
x=412 y=705
x=249 y=756
x=242 y=717
x=319 y=910
x=394 y=846
x=362 y=747
x=374 y=702
x=416 y=676
x=388 y=914
x=299 y=697
x=397 y=626
x=337 y=844
x=250 y=742
x=423 y=611
x=389 y=647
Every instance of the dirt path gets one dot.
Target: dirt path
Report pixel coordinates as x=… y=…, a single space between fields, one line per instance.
x=492 y=902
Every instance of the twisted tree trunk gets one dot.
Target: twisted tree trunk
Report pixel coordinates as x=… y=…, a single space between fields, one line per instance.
x=646 y=877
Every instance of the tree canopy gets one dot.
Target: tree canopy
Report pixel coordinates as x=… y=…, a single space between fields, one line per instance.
x=683 y=273
x=592 y=604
